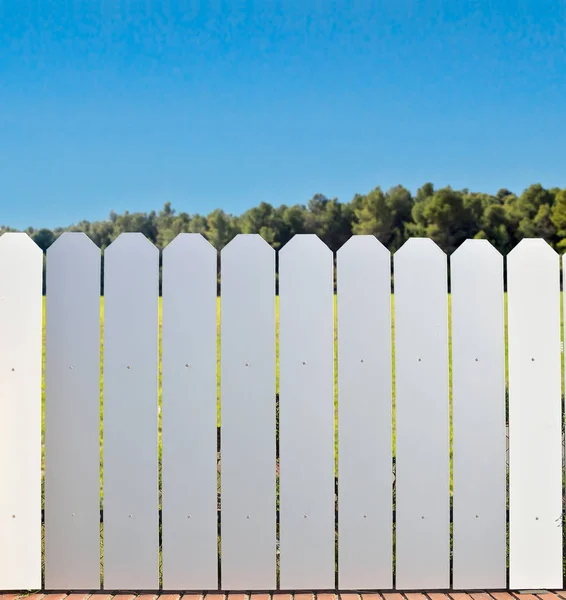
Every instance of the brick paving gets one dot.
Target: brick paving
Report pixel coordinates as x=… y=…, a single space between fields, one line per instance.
x=302 y=595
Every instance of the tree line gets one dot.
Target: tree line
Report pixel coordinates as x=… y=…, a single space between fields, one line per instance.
x=445 y=215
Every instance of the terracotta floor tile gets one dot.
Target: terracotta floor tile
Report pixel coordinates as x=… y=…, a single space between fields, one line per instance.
x=393 y=596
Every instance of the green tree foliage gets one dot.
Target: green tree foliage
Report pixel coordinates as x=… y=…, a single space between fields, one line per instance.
x=494 y=227
x=446 y=215
x=529 y=214
x=220 y=228
x=43 y=238
x=262 y=219
x=329 y=219
x=373 y=216
x=559 y=218
x=384 y=215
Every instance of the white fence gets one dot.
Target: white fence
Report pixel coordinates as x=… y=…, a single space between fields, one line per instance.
x=392 y=520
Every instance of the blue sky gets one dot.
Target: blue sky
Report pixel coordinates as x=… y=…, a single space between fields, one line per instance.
x=122 y=105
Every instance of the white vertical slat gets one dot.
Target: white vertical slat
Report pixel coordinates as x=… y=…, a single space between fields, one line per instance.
x=72 y=414
x=478 y=392
x=364 y=415
x=248 y=414
x=190 y=551
x=422 y=465
x=131 y=520
x=21 y=263
x=306 y=413
x=535 y=415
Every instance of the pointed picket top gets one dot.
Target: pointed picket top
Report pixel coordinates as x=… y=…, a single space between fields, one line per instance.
x=527 y=259
x=475 y=247
x=188 y=242
x=304 y=242
x=475 y=254
x=532 y=247
x=418 y=246
x=244 y=242
x=421 y=261
x=15 y=240
x=71 y=241
x=533 y=259
x=133 y=242
x=360 y=243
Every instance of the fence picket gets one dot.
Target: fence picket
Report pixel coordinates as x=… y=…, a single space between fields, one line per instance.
x=478 y=392
x=422 y=464
x=190 y=551
x=365 y=538
x=535 y=416
x=131 y=520
x=72 y=414
x=248 y=414
x=306 y=413
x=21 y=262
